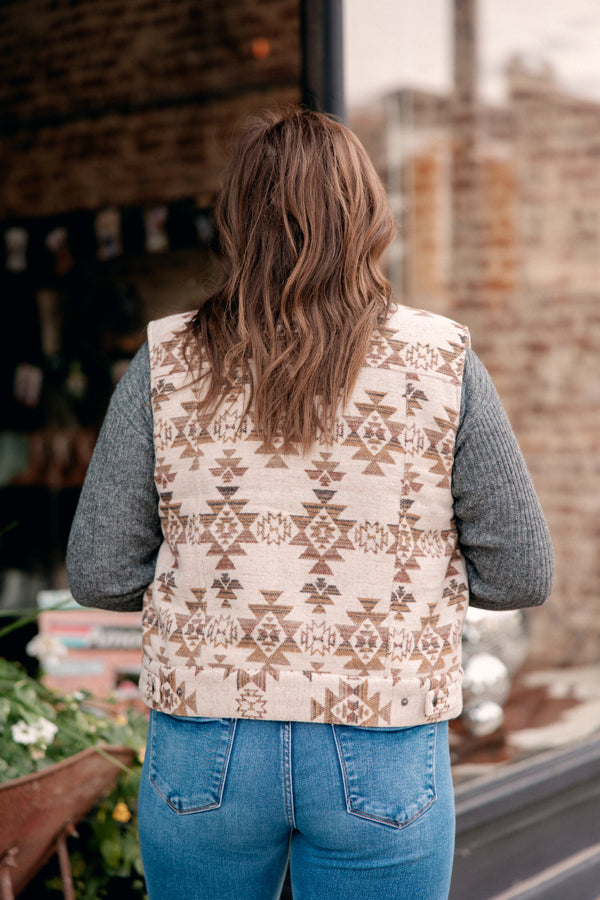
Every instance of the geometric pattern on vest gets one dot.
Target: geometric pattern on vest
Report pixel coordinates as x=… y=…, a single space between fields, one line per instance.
x=322 y=587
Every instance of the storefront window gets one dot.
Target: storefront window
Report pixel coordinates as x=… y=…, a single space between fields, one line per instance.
x=482 y=117
x=77 y=292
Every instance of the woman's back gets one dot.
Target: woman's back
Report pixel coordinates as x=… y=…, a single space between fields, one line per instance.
x=313 y=575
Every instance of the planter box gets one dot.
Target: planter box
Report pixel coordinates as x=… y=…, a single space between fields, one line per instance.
x=38 y=810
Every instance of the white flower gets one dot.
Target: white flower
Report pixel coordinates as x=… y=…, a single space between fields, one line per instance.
x=23 y=733
x=40 y=732
x=46 y=730
x=48 y=649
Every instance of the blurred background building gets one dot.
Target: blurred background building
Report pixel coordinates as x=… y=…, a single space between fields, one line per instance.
x=494 y=176
x=114 y=125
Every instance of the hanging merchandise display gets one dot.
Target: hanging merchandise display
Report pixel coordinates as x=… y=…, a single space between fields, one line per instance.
x=57 y=242
x=74 y=313
x=108 y=233
x=55 y=245
x=155 y=220
x=16 y=240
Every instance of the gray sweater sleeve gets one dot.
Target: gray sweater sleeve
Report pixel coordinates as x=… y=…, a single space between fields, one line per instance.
x=115 y=535
x=116 y=532
x=502 y=531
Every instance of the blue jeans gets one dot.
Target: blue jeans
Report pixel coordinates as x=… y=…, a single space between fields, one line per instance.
x=362 y=814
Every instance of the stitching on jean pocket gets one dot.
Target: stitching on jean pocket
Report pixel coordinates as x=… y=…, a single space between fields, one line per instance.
x=388 y=775
x=189 y=758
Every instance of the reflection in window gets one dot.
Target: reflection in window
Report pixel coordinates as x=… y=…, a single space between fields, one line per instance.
x=483 y=126
x=483 y=119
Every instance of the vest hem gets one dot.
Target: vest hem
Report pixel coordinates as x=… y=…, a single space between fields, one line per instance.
x=297 y=696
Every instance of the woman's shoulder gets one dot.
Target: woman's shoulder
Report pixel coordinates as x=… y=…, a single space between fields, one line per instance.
x=168 y=327
x=424 y=340
x=423 y=324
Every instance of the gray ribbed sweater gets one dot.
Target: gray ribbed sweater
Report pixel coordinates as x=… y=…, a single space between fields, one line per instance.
x=503 y=535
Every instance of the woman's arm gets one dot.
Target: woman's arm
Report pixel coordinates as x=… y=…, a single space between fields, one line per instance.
x=501 y=526
x=116 y=533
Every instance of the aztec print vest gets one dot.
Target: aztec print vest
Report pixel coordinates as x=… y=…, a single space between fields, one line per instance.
x=326 y=587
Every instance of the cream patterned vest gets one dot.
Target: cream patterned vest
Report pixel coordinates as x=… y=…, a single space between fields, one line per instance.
x=325 y=587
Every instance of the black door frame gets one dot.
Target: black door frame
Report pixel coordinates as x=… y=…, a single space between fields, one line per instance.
x=323 y=56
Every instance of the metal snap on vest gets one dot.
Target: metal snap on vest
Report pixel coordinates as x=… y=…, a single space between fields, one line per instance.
x=179 y=692
x=434 y=701
x=404 y=701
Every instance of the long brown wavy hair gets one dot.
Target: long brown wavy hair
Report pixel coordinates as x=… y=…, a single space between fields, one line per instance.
x=301 y=222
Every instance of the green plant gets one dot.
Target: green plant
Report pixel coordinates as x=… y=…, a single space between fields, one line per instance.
x=40 y=726
x=106 y=860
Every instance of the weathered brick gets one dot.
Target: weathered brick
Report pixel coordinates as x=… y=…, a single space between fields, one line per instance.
x=524 y=276
x=67 y=71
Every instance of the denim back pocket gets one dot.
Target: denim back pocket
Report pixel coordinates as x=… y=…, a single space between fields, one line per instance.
x=388 y=773
x=188 y=759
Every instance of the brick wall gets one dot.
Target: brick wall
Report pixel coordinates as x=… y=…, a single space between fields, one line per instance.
x=537 y=330
x=105 y=102
x=521 y=267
